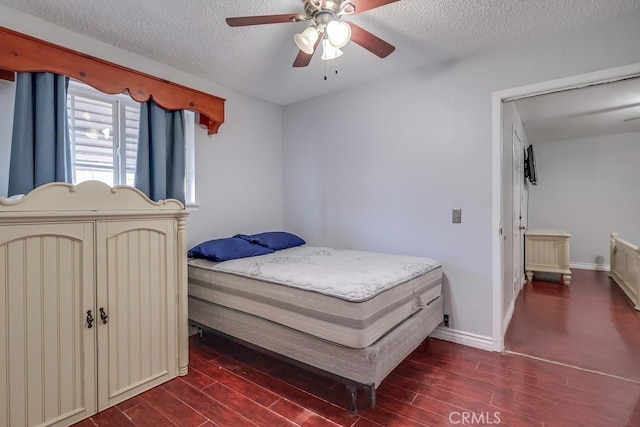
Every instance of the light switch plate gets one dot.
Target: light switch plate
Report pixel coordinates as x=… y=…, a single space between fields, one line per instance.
x=456 y=216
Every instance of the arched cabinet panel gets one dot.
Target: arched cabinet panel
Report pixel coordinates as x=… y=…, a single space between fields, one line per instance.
x=47 y=354
x=140 y=298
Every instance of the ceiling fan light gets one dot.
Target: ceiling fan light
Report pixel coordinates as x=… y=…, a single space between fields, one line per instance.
x=306 y=40
x=329 y=51
x=339 y=33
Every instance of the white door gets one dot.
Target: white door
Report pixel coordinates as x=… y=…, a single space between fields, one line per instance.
x=517 y=223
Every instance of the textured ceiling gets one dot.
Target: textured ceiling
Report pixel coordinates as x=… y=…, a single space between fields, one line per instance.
x=193 y=36
x=596 y=110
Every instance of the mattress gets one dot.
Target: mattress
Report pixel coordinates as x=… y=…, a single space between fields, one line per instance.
x=351 y=298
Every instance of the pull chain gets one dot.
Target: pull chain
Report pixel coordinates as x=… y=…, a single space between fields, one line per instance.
x=325 y=72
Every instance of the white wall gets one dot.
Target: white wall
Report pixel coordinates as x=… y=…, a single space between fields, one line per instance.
x=238 y=170
x=589 y=187
x=239 y=173
x=380 y=166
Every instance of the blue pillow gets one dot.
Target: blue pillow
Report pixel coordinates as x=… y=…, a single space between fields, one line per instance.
x=275 y=240
x=226 y=249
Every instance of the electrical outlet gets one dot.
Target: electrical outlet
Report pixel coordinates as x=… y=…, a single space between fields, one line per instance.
x=456 y=215
x=446 y=320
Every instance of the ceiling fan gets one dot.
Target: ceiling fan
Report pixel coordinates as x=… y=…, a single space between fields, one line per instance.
x=326 y=28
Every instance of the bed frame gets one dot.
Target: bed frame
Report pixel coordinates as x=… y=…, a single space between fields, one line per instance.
x=625 y=267
x=356 y=368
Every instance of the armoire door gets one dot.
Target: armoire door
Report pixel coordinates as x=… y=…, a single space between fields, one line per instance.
x=136 y=290
x=47 y=349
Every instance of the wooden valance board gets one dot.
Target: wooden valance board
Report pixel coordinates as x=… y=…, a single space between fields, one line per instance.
x=22 y=53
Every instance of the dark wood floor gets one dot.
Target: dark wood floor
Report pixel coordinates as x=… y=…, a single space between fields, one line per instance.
x=437 y=385
x=590 y=324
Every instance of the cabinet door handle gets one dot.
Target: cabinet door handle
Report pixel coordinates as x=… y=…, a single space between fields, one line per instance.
x=90 y=319
x=103 y=316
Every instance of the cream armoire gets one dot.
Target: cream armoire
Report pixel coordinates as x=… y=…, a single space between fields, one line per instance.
x=92 y=300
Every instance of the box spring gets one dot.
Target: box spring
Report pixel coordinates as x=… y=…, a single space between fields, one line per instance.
x=367 y=366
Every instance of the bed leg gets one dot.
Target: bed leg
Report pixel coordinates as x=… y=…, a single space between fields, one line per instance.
x=372 y=396
x=353 y=393
x=200 y=332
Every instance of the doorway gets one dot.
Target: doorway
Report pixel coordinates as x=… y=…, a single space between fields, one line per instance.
x=503 y=225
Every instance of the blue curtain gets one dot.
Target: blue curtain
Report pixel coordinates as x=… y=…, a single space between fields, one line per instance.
x=160 y=163
x=40 y=146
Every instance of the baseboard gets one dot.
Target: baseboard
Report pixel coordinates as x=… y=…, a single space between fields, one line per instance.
x=464 y=338
x=590 y=266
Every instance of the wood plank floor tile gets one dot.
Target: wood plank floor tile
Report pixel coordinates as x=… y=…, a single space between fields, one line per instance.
x=290 y=411
x=235 y=381
x=197 y=379
x=135 y=400
x=299 y=415
x=213 y=409
x=245 y=406
x=482 y=386
x=363 y=422
x=144 y=415
x=466 y=405
x=112 y=417
x=173 y=408
x=385 y=417
x=413 y=412
x=205 y=405
x=407 y=395
x=302 y=397
x=85 y=423
x=453 y=387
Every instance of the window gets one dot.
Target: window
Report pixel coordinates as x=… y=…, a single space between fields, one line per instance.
x=104 y=135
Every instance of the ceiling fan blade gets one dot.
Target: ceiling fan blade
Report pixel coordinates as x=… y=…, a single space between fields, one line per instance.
x=370 y=42
x=364 y=5
x=265 y=19
x=303 y=59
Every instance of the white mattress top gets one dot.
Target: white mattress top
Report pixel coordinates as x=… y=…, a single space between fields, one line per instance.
x=345 y=274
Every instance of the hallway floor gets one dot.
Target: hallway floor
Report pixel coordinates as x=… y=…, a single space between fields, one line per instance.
x=590 y=324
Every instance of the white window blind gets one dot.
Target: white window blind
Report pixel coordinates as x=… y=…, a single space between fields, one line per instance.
x=104 y=134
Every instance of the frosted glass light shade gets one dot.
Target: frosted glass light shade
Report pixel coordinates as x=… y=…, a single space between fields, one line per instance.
x=329 y=51
x=339 y=33
x=306 y=40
